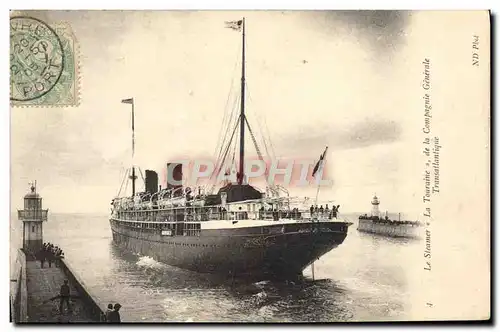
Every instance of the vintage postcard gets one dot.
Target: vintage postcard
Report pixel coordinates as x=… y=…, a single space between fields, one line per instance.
x=250 y=166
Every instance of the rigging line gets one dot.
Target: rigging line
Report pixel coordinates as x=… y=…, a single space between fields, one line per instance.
x=126 y=182
x=270 y=141
x=264 y=140
x=142 y=176
x=228 y=97
x=229 y=125
x=123 y=181
x=225 y=121
x=259 y=122
x=225 y=155
x=224 y=125
x=257 y=149
x=227 y=150
x=234 y=112
x=229 y=146
x=262 y=131
x=254 y=140
x=236 y=143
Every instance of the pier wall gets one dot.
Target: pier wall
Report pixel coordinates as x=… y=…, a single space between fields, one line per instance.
x=407 y=231
x=19 y=300
x=95 y=308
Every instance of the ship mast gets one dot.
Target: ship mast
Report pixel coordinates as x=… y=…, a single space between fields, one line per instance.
x=242 y=109
x=133 y=177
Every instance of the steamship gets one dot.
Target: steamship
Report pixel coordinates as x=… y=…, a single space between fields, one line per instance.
x=237 y=230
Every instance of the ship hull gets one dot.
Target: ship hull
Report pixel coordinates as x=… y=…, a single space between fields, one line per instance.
x=277 y=251
x=386 y=229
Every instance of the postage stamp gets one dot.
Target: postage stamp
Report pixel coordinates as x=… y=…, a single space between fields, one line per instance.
x=43 y=63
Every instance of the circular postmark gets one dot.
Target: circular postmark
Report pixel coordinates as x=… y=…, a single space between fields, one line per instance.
x=36 y=58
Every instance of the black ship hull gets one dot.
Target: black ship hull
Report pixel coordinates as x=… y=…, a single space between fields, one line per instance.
x=275 y=251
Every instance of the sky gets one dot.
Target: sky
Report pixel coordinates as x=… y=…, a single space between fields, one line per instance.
x=314 y=78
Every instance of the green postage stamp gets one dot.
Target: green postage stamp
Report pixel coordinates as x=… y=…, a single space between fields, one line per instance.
x=43 y=63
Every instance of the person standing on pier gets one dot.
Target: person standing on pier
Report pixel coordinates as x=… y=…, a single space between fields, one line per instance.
x=50 y=257
x=58 y=256
x=108 y=312
x=41 y=257
x=114 y=316
x=64 y=295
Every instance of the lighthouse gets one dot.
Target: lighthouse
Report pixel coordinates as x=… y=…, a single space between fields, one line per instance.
x=32 y=217
x=375 y=204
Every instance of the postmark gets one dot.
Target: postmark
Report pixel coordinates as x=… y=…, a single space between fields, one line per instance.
x=43 y=64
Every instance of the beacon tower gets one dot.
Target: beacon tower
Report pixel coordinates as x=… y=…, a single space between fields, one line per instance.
x=32 y=217
x=375 y=204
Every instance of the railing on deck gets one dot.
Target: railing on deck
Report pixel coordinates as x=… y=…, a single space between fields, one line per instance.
x=218 y=213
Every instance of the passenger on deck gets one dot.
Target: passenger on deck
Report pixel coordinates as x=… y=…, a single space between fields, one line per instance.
x=311 y=209
x=321 y=210
x=335 y=210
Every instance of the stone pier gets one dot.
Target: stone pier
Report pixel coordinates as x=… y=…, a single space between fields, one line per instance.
x=36 y=298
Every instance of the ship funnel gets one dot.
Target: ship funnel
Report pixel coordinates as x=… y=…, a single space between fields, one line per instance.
x=151 y=181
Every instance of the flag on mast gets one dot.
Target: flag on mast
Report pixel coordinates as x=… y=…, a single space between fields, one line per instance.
x=235 y=25
x=128 y=101
x=319 y=164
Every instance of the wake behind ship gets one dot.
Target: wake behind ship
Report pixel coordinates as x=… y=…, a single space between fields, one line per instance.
x=236 y=231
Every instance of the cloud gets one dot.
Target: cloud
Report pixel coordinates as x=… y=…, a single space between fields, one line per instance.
x=358 y=135
x=382 y=31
